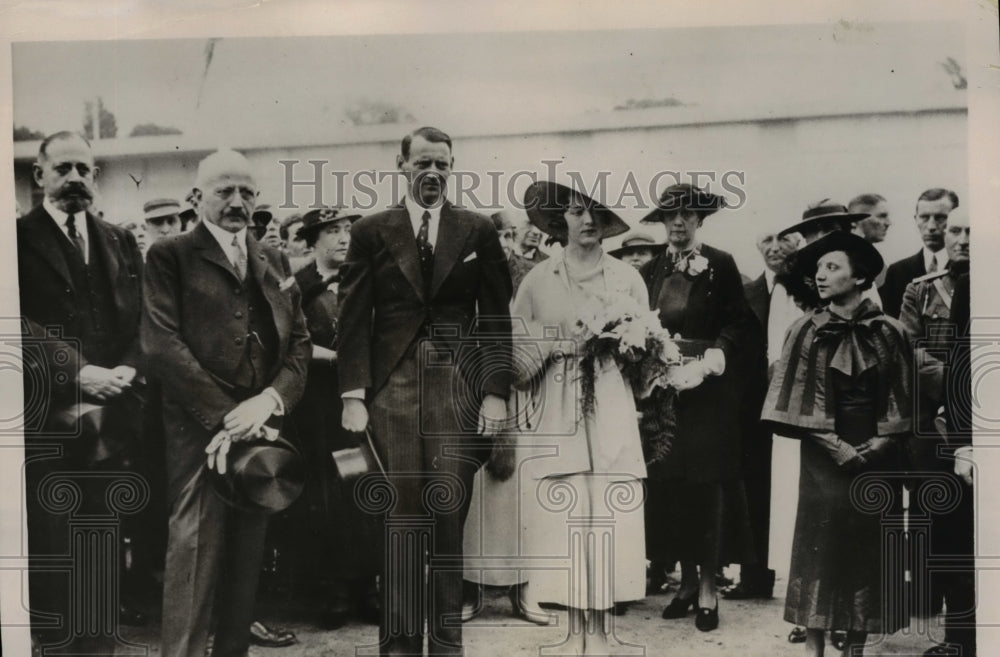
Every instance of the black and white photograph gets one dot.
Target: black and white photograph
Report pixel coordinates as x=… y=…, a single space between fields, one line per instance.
x=500 y=329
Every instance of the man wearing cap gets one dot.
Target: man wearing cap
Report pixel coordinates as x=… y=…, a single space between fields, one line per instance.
x=228 y=342
x=518 y=265
x=638 y=247
x=927 y=315
x=424 y=309
x=931 y=216
x=298 y=252
x=162 y=217
x=79 y=282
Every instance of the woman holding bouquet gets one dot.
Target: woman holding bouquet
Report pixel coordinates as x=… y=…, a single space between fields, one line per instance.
x=698 y=487
x=843 y=387
x=582 y=463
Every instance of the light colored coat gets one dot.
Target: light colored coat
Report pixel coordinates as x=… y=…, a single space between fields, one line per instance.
x=556 y=438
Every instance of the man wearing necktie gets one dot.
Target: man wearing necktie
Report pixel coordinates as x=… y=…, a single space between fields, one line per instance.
x=229 y=344
x=79 y=283
x=425 y=345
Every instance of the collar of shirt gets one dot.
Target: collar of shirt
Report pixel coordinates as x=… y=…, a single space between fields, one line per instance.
x=769 y=279
x=225 y=240
x=941 y=257
x=416 y=213
x=60 y=218
x=694 y=246
x=325 y=272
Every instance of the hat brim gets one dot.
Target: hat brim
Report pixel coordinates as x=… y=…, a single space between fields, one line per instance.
x=304 y=231
x=810 y=225
x=707 y=204
x=545 y=210
x=262 y=476
x=625 y=250
x=807 y=258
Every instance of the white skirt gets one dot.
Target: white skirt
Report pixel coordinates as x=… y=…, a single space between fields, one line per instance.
x=584 y=539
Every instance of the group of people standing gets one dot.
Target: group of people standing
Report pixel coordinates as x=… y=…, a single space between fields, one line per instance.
x=399 y=328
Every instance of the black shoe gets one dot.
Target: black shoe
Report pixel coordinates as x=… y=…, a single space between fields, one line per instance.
x=743 y=591
x=678 y=607
x=797 y=635
x=336 y=614
x=707 y=619
x=943 y=649
x=619 y=609
x=838 y=638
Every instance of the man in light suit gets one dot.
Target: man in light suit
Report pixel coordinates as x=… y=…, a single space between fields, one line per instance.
x=229 y=344
x=424 y=297
x=931 y=217
x=79 y=281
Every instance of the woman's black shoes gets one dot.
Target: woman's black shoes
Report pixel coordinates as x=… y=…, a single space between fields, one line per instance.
x=707 y=619
x=678 y=607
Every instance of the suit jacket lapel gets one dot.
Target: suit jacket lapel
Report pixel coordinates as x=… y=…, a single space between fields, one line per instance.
x=453 y=232
x=44 y=236
x=399 y=239
x=105 y=241
x=212 y=252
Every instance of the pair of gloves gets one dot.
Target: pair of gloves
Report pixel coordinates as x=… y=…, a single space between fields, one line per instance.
x=693 y=373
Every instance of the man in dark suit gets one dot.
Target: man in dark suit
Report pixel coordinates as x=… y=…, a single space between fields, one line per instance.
x=229 y=344
x=757 y=580
x=79 y=280
x=931 y=216
x=423 y=312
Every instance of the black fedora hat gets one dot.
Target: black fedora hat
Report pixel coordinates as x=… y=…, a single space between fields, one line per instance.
x=261 y=475
x=314 y=220
x=684 y=196
x=841 y=240
x=546 y=202
x=637 y=241
x=824 y=211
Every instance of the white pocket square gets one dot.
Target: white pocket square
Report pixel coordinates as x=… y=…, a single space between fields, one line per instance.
x=472 y=256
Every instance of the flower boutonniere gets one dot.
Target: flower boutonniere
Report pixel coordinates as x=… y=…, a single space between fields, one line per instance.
x=697 y=264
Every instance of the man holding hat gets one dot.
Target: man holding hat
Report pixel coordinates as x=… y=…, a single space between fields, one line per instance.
x=232 y=360
x=162 y=217
x=424 y=310
x=79 y=282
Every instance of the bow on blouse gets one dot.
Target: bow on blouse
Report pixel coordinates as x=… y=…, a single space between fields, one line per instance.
x=853 y=340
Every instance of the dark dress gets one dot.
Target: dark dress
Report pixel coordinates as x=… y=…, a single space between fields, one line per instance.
x=697 y=504
x=840 y=568
x=341 y=536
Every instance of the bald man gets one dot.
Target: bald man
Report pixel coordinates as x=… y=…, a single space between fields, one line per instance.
x=231 y=357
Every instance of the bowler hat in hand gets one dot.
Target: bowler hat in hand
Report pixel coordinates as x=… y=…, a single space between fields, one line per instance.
x=261 y=475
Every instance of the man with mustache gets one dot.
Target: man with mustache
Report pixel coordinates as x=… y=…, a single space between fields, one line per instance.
x=79 y=281
x=424 y=312
x=227 y=340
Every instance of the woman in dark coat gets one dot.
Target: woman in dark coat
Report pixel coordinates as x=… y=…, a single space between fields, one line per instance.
x=345 y=563
x=843 y=387
x=698 y=292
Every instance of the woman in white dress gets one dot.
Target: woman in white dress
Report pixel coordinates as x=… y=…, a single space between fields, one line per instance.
x=580 y=473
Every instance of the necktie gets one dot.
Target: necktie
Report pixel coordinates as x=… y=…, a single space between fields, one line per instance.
x=241 y=259
x=76 y=237
x=424 y=248
x=934 y=265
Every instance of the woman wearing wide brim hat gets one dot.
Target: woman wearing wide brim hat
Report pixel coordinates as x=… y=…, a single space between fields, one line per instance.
x=697 y=491
x=546 y=202
x=593 y=459
x=854 y=422
x=824 y=217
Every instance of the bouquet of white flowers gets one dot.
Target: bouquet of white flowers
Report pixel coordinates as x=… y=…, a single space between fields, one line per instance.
x=622 y=331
